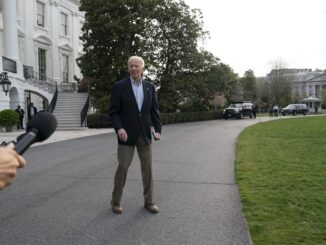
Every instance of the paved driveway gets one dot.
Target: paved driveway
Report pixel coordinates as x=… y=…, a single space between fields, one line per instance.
x=63 y=194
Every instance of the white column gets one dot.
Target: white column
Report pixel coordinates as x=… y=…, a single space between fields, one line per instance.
x=10 y=31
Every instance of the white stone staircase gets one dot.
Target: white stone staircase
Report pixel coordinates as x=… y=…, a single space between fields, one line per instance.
x=67 y=110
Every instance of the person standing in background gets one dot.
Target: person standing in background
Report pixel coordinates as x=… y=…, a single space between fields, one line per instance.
x=21 y=114
x=275 y=110
x=133 y=107
x=32 y=111
x=316 y=108
x=254 y=110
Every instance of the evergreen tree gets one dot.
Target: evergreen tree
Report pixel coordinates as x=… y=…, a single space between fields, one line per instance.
x=249 y=85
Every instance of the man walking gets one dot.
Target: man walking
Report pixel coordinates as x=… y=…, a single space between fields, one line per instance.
x=133 y=107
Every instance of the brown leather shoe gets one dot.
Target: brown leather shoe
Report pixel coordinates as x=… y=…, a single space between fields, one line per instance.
x=116 y=208
x=151 y=207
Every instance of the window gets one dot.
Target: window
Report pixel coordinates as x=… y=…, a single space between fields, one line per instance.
x=296 y=89
x=303 y=90
x=81 y=24
x=65 y=68
x=317 y=91
x=42 y=64
x=64 y=24
x=40 y=14
x=310 y=90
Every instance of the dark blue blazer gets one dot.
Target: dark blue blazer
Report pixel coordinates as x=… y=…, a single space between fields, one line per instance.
x=124 y=112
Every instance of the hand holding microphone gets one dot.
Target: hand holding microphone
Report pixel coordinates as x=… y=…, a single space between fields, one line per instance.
x=10 y=161
x=39 y=128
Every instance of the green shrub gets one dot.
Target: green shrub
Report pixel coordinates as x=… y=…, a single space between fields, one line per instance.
x=178 y=117
x=8 y=118
x=98 y=120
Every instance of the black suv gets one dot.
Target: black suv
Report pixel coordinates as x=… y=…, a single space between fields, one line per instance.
x=295 y=109
x=238 y=110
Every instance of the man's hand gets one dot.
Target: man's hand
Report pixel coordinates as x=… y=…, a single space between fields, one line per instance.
x=10 y=160
x=122 y=134
x=157 y=136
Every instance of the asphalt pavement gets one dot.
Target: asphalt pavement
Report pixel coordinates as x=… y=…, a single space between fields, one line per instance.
x=63 y=194
x=57 y=135
x=61 y=135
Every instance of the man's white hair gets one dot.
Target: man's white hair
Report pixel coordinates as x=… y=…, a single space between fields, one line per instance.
x=138 y=58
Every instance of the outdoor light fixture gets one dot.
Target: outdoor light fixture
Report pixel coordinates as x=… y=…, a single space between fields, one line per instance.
x=4 y=82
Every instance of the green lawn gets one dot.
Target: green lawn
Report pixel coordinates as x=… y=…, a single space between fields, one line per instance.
x=266 y=114
x=281 y=173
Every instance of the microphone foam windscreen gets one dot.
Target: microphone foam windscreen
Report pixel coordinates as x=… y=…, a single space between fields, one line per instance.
x=44 y=122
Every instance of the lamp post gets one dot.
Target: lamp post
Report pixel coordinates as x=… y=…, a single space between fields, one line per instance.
x=4 y=82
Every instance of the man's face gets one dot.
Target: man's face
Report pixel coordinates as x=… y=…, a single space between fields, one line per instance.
x=135 y=69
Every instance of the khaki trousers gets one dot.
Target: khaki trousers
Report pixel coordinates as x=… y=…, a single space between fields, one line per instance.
x=125 y=156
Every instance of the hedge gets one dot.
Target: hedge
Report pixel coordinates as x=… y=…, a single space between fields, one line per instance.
x=103 y=120
x=168 y=118
x=97 y=120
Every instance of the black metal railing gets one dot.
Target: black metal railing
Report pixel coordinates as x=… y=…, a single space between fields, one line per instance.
x=83 y=113
x=53 y=102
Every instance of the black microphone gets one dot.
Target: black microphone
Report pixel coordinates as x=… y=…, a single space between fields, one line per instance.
x=38 y=129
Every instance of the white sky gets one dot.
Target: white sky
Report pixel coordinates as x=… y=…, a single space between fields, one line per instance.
x=250 y=34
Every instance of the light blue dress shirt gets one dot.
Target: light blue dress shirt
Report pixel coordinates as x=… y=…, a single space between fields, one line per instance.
x=138 y=92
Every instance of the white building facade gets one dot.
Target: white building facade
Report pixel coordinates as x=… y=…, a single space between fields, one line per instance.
x=305 y=82
x=308 y=83
x=39 y=45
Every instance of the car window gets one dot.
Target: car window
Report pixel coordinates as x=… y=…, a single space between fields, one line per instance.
x=247 y=105
x=300 y=106
x=240 y=105
x=237 y=105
